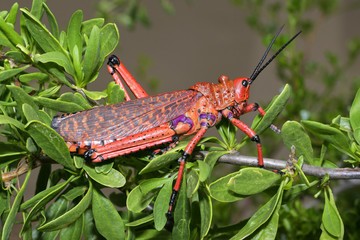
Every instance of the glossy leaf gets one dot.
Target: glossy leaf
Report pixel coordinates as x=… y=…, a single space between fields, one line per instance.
x=160 y=162
x=206 y=211
x=95 y=95
x=76 y=98
x=331 y=219
x=70 y=216
x=51 y=143
x=9 y=73
x=161 y=205
x=73 y=231
x=87 y=26
x=115 y=93
x=331 y=135
x=293 y=133
x=58 y=58
x=181 y=228
x=74 y=38
x=210 y=161
x=141 y=221
x=10 y=218
x=91 y=57
x=22 y=97
x=8 y=32
x=113 y=179
x=52 y=22
x=107 y=220
x=261 y=216
x=220 y=191
x=41 y=35
x=138 y=201
x=30 y=113
x=109 y=39
x=250 y=181
x=8 y=120
x=355 y=116
x=10 y=150
x=260 y=124
x=11 y=17
x=58 y=105
x=150 y=184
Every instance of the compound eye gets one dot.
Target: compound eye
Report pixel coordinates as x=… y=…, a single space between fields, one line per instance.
x=244 y=83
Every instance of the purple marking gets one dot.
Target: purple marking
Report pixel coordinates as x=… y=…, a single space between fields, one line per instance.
x=203 y=115
x=204 y=124
x=212 y=117
x=183 y=119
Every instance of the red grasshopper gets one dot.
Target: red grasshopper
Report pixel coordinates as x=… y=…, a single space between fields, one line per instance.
x=118 y=129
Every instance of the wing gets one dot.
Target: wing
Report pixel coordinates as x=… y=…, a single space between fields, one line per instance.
x=123 y=119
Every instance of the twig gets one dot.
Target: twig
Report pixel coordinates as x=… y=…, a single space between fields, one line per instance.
x=269 y=163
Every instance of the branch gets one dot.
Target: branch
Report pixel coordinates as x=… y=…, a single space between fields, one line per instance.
x=269 y=163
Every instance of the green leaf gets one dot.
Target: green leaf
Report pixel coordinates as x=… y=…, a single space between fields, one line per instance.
x=9 y=73
x=192 y=182
x=58 y=58
x=52 y=22
x=260 y=124
x=355 y=116
x=51 y=143
x=91 y=57
x=74 y=192
x=58 y=105
x=220 y=191
x=210 y=159
x=109 y=39
x=161 y=162
x=206 y=213
x=50 y=91
x=88 y=25
x=262 y=215
x=140 y=221
x=150 y=184
x=107 y=220
x=161 y=205
x=11 y=17
x=113 y=179
x=331 y=135
x=36 y=9
x=22 y=97
x=11 y=36
x=41 y=35
x=293 y=133
x=30 y=113
x=95 y=95
x=269 y=229
x=74 y=230
x=10 y=151
x=44 y=196
x=76 y=98
x=9 y=120
x=74 y=38
x=70 y=216
x=10 y=219
x=331 y=218
x=251 y=181
x=41 y=77
x=39 y=201
x=182 y=216
x=138 y=201
x=115 y=93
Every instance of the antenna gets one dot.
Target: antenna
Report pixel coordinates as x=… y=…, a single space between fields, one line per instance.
x=257 y=70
